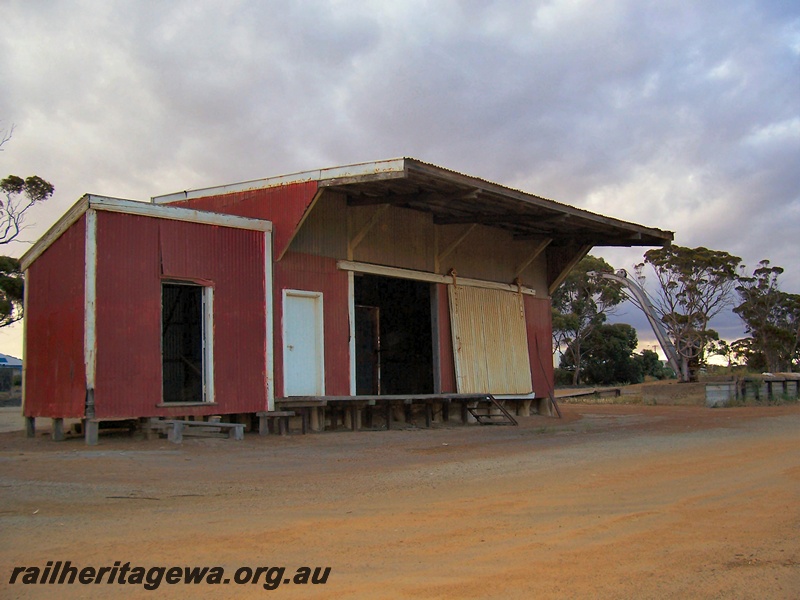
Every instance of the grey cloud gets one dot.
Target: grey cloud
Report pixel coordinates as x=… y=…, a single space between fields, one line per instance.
x=678 y=115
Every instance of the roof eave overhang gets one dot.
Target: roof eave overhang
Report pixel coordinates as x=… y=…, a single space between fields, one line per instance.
x=473 y=200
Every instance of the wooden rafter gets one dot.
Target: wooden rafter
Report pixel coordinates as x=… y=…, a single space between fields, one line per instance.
x=353 y=243
x=560 y=262
x=537 y=251
x=500 y=219
x=457 y=242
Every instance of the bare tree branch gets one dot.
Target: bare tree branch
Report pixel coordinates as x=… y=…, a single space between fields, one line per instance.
x=6 y=135
x=21 y=196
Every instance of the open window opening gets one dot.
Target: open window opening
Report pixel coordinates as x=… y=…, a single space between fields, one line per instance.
x=394 y=339
x=186 y=347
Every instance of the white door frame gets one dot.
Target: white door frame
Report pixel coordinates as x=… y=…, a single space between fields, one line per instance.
x=206 y=338
x=208 y=344
x=287 y=293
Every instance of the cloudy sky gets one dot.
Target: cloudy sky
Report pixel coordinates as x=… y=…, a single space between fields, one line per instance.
x=678 y=115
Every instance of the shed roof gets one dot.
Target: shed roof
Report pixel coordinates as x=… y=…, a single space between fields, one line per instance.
x=453 y=197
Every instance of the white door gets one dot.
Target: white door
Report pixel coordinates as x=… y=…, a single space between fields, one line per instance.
x=303 y=345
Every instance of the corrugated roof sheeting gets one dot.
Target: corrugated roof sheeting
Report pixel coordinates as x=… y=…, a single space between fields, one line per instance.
x=451 y=197
x=55 y=375
x=457 y=198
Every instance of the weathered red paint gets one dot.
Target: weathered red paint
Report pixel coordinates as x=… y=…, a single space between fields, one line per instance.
x=285 y=206
x=540 y=334
x=317 y=274
x=55 y=377
x=233 y=259
x=128 y=328
x=134 y=255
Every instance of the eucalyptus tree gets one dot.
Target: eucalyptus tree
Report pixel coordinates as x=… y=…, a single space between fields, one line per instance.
x=20 y=196
x=692 y=286
x=580 y=305
x=771 y=317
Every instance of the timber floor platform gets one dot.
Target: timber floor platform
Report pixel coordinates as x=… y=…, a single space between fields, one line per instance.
x=484 y=408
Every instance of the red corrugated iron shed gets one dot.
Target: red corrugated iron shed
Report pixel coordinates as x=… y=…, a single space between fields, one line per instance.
x=338 y=282
x=95 y=323
x=403 y=218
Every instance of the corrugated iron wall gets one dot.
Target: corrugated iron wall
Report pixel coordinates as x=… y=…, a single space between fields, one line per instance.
x=540 y=340
x=55 y=375
x=134 y=253
x=447 y=369
x=128 y=322
x=539 y=329
x=317 y=274
x=401 y=238
x=490 y=341
x=285 y=206
x=233 y=259
x=324 y=232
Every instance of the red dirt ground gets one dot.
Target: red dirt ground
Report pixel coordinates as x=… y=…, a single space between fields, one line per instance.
x=623 y=501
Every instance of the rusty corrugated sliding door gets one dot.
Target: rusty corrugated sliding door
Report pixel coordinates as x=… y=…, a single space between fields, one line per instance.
x=490 y=342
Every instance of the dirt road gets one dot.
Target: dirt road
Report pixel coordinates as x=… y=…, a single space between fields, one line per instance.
x=610 y=502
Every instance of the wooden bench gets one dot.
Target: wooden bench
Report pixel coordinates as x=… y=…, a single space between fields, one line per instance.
x=281 y=416
x=175 y=428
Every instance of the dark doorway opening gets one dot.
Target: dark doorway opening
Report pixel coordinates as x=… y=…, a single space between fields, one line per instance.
x=182 y=342
x=394 y=339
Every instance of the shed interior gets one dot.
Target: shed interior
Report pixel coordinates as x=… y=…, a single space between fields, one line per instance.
x=394 y=337
x=182 y=342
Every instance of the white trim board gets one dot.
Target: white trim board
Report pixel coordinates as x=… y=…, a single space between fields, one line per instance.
x=90 y=304
x=269 y=316
x=385 y=168
x=371 y=269
x=209 y=391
